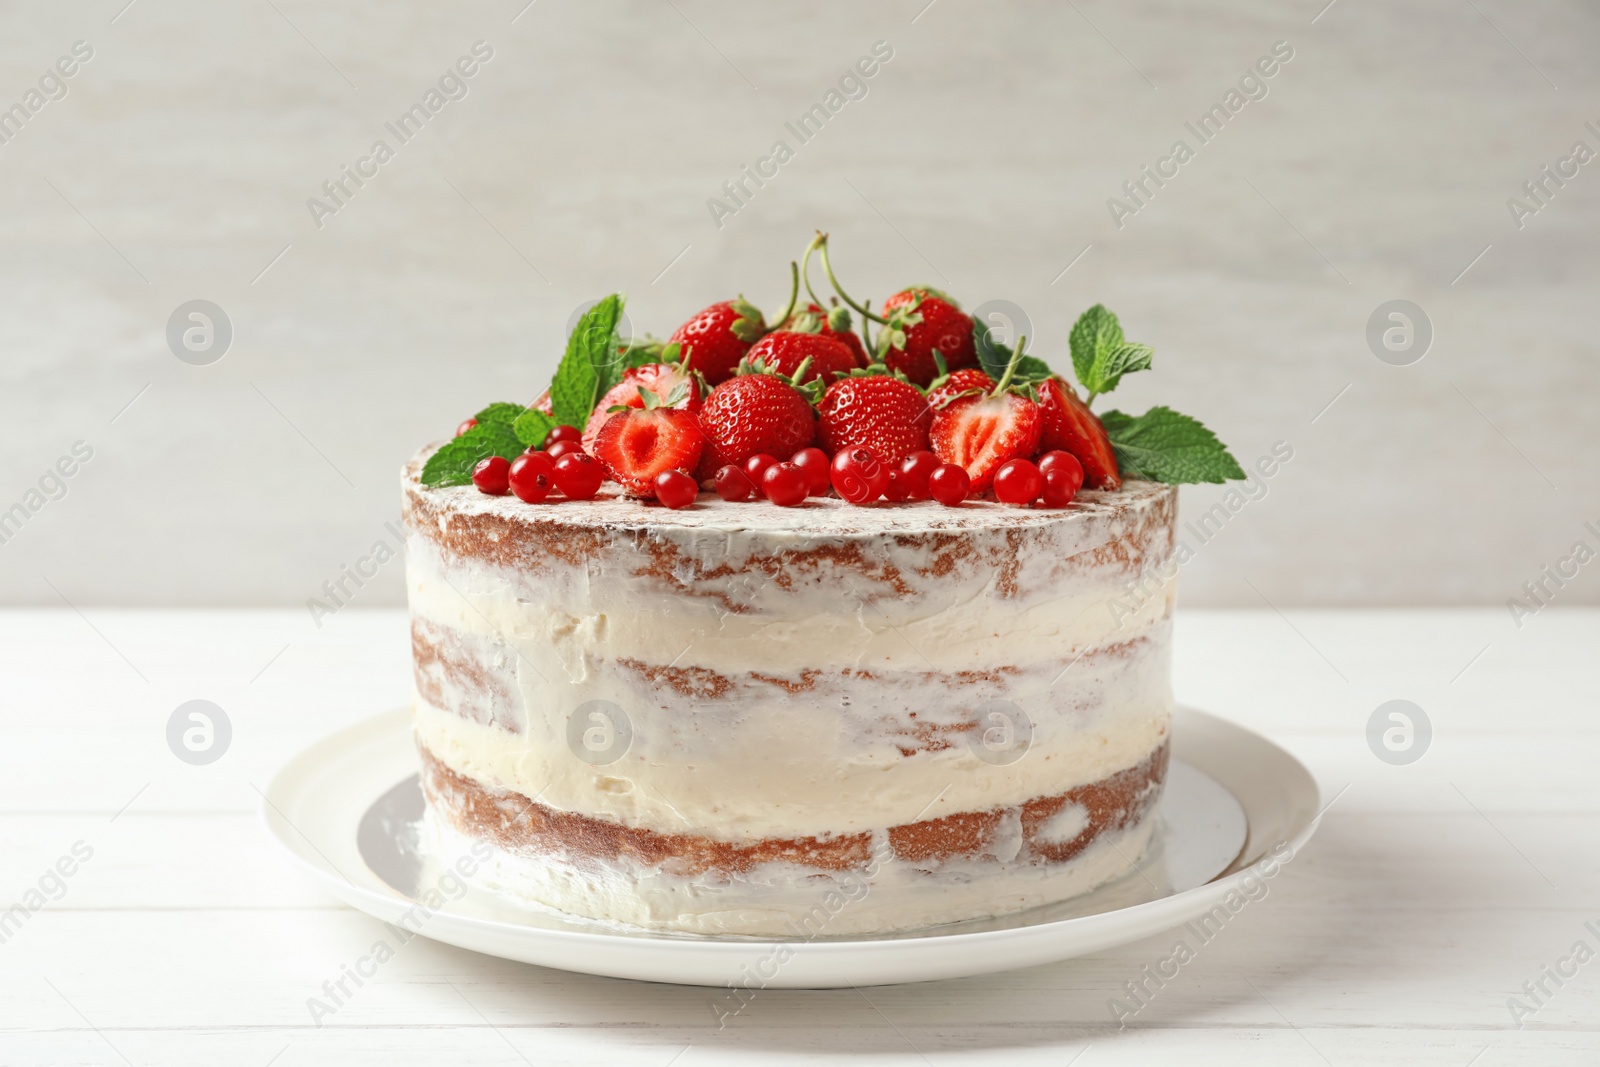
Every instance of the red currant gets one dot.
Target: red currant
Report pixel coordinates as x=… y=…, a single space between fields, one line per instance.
x=1017 y=481
x=1061 y=484
x=529 y=477
x=756 y=466
x=676 y=489
x=734 y=485
x=466 y=424
x=490 y=475
x=785 y=484
x=1057 y=457
x=579 y=475
x=814 y=463
x=859 y=476
x=948 y=484
x=916 y=468
x=561 y=448
x=563 y=433
x=897 y=489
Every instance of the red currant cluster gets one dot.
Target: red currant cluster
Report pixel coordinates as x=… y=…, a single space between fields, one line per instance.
x=562 y=465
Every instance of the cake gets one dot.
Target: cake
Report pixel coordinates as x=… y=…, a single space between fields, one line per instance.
x=816 y=721
x=774 y=630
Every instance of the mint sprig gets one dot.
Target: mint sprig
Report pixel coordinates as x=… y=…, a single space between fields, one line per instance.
x=532 y=427
x=453 y=463
x=501 y=411
x=591 y=366
x=1163 y=445
x=1100 y=353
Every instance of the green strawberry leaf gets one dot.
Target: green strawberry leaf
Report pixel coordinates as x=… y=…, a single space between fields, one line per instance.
x=1032 y=369
x=1164 y=446
x=994 y=357
x=453 y=463
x=591 y=365
x=500 y=412
x=749 y=326
x=533 y=426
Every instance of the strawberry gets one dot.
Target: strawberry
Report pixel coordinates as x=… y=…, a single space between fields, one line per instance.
x=751 y=413
x=670 y=381
x=957 y=383
x=920 y=320
x=1070 y=426
x=638 y=444
x=542 y=403
x=834 y=324
x=716 y=339
x=980 y=433
x=878 y=411
x=783 y=351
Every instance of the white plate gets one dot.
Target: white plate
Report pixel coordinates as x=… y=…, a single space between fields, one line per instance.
x=346 y=809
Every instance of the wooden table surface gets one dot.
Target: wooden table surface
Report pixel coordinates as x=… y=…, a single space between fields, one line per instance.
x=156 y=923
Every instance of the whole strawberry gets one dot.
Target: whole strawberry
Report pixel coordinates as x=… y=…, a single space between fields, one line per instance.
x=751 y=413
x=717 y=338
x=877 y=411
x=834 y=324
x=670 y=381
x=919 y=321
x=783 y=351
x=958 y=383
x=637 y=445
x=1067 y=424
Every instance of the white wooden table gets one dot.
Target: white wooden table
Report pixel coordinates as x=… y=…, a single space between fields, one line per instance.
x=1430 y=895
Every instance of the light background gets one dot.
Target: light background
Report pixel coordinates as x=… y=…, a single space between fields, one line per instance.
x=1379 y=166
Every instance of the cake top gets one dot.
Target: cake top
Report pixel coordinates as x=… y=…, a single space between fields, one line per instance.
x=807 y=420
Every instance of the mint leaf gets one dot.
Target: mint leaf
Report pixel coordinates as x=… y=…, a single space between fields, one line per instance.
x=1032 y=369
x=1111 y=364
x=592 y=364
x=533 y=426
x=500 y=412
x=452 y=464
x=1097 y=330
x=993 y=356
x=1165 y=446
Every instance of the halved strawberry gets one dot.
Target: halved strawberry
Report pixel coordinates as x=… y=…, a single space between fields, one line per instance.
x=834 y=324
x=717 y=338
x=638 y=444
x=670 y=381
x=982 y=433
x=878 y=411
x=1069 y=425
x=754 y=412
x=783 y=351
x=957 y=383
x=921 y=320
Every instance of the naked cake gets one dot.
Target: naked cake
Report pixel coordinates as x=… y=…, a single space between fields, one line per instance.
x=832 y=697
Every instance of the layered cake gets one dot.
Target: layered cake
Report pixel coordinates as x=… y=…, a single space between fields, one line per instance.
x=782 y=630
x=790 y=721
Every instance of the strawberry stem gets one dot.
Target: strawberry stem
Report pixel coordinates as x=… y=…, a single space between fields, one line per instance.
x=794 y=294
x=805 y=269
x=1011 y=367
x=820 y=243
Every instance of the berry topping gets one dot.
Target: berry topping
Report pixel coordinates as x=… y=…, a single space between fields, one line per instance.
x=561 y=448
x=578 y=475
x=635 y=446
x=716 y=339
x=670 y=381
x=1061 y=484
x=814 y=463
x=859 y=476
x=784 y=484
x=530 y=476
x=490 y=475
x=897 y=489
x=734 y=485
x=915 y=468
x=981 y=433
x=970 y=381
x=675 y=489
x=948 y=484
x=757 y=465
x=919 y=322
x=784 y=352
x=1017 y=481
x=466 y=424
x=1068 y=425
x=753 y=413
x=569 y=433
x=876 y=411
x=834 y=324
